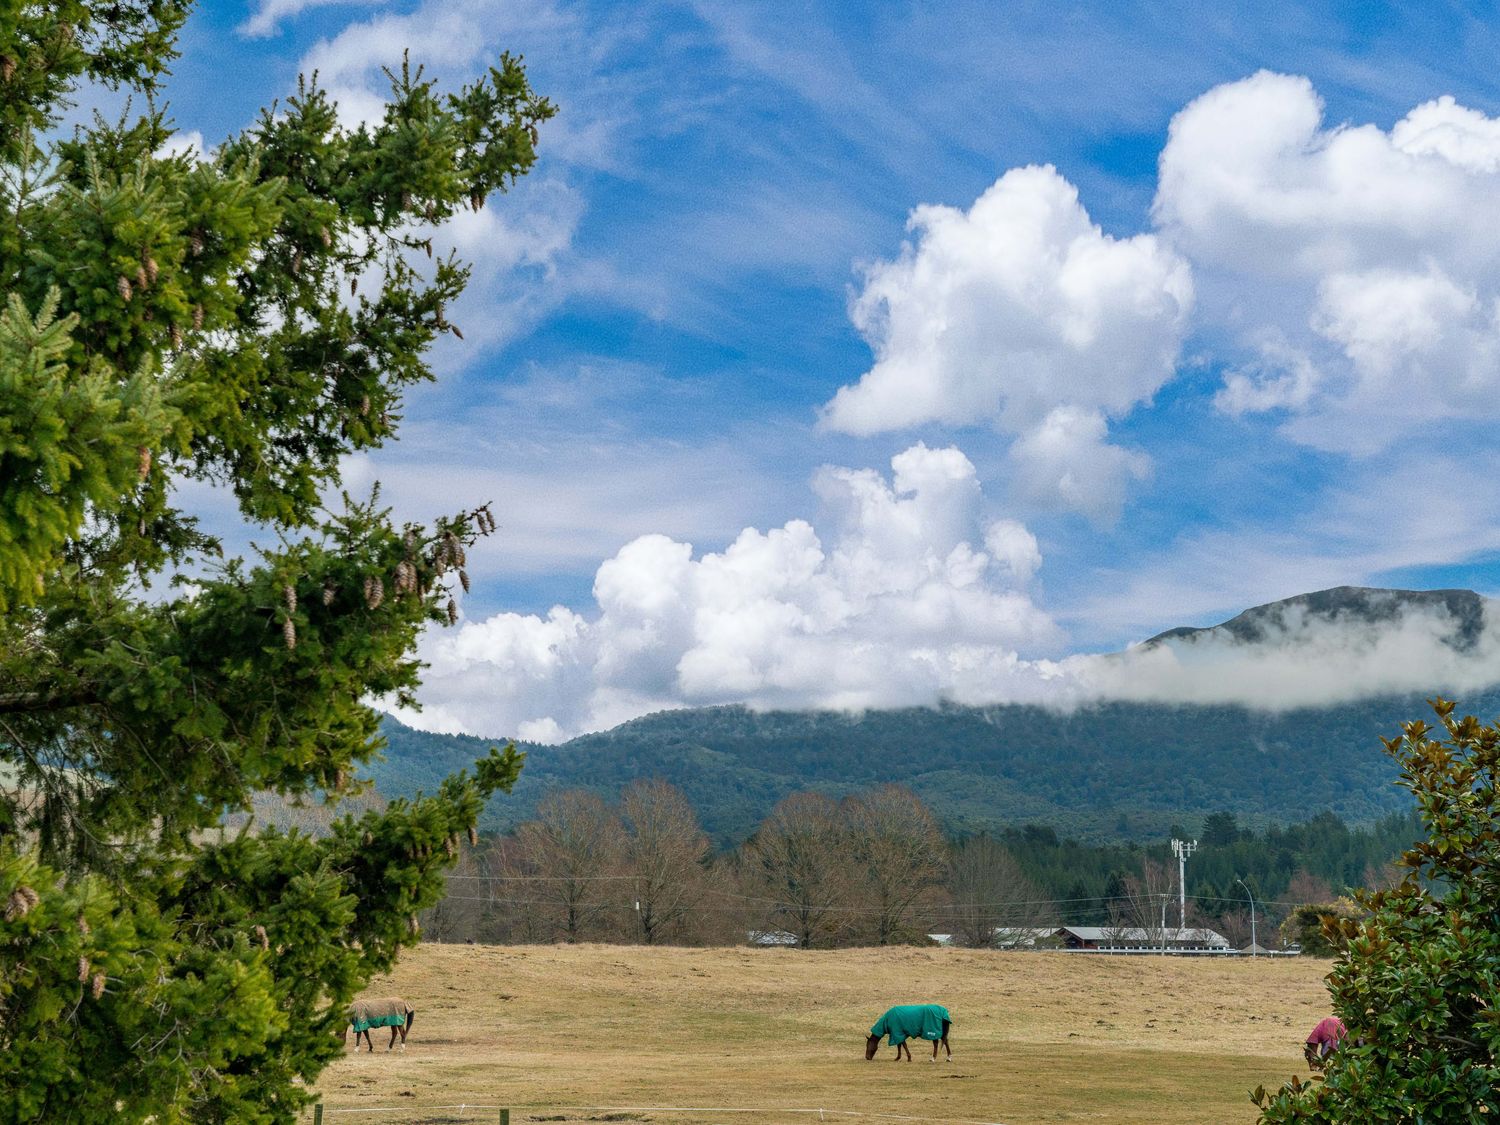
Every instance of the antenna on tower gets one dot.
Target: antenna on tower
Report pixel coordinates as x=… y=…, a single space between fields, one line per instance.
x=1182 y=849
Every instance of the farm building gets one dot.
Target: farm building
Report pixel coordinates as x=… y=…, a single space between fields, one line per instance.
x=1134 y=939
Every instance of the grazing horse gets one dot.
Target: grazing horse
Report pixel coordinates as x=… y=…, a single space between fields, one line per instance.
x=911 y=1021
x=390 y=1011
x=1325 y=1039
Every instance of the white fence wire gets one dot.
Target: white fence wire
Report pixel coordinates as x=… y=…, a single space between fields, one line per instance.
x=765 y=1113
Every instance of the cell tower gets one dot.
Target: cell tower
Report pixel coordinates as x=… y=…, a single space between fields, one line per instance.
x=1182 y=849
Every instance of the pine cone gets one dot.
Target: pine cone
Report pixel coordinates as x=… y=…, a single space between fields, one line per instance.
x=297 y=261
x=140 y=277
x=325 y=236
x=473 y=837
x=197 y=317
x=83 y=925
x=143 y=463
x=353 y=285
x=411 y=924
x=289 y=633
x=176 y=334
x=364 y=405
x=17 y=906
x=97 y=987
x=7 y=67
x=122 y=287
x=328 y=593
x=374 y=592
x=195 y=244
x=456 y=332
x=262 y=937
x=289 y=596
x=450 y=848
x=452 y=612
x=151 y=269
x=83 y=968
x=463 y=578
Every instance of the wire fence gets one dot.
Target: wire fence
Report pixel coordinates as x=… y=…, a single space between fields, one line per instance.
x=466 y=1112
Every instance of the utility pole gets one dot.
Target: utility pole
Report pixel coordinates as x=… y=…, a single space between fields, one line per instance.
x=1182 y=849
x=1242 y=883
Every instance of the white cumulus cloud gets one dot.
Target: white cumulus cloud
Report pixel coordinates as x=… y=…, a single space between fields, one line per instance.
x=913 y=597
x=1349 y=257
x=1021 y=313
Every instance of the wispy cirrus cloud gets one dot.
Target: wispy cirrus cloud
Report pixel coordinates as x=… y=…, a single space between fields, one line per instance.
x=269 y=15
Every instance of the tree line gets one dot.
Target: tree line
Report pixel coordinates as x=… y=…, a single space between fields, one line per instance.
x=876 y=868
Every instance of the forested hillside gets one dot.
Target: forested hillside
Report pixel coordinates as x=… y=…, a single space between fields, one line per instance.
x=1112 y=771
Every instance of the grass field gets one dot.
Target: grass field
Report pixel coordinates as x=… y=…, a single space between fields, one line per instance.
x=622 y=1033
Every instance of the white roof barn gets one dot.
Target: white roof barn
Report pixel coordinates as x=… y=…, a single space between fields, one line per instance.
x=1135 y=939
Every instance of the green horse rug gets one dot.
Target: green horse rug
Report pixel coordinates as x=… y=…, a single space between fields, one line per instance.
x=389 y=1011
x=911 y=1021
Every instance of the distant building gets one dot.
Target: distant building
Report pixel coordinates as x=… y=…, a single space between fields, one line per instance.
x=1027 y=937
x=1135 y=939
x=771 y=937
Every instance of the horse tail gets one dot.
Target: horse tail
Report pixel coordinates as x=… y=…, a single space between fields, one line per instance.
x=411 y=1014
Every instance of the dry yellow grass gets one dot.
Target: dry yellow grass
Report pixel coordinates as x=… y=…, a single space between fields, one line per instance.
x=598 y=1033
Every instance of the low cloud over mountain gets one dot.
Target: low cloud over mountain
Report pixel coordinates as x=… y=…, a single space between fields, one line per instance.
x=1318 y=649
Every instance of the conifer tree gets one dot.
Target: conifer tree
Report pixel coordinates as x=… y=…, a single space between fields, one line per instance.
x=172 y=319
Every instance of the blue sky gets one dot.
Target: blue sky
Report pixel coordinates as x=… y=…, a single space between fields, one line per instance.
x=1171 y=371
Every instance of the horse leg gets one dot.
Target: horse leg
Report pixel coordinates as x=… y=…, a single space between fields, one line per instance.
x=391 y=1046
x=946 y=1025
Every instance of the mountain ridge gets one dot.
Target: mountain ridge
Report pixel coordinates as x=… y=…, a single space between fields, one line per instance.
x=1100 y=770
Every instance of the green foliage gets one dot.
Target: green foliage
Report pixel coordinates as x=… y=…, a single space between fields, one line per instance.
x=1111 y=772
x=1304 y=926
x=178 y=319
x=1418 y=980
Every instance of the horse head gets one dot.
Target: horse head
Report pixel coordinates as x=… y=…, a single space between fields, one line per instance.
x=872 y=1044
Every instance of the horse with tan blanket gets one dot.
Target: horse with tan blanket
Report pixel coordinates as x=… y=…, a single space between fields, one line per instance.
x=390 y=1011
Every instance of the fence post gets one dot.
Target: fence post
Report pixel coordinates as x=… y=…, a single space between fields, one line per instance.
x=505 y=1117
x=318 y=1114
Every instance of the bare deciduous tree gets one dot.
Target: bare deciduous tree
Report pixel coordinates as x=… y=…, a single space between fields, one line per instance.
x=576 y=845
x=898 y=857
x=994 y=903
x=1143 y=905
x=798 y=860
x=664 y=853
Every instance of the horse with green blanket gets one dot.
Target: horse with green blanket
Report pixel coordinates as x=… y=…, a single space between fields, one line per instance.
x=389 y=1011
x=911 y=1021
